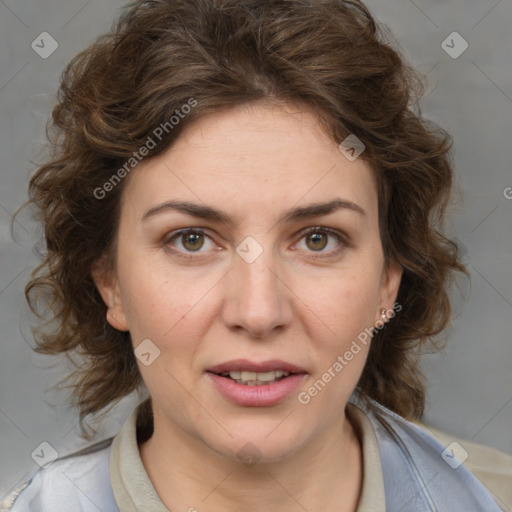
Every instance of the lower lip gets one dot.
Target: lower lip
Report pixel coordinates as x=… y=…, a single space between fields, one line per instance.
x=256 y=396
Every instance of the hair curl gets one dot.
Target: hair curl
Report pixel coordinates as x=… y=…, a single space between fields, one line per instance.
x=328 y=55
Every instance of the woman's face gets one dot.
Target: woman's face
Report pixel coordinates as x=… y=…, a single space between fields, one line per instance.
x=248 y=289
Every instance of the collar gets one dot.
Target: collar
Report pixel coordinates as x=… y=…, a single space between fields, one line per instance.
x=134 y=491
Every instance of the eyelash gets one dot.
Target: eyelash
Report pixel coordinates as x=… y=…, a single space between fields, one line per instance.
x=342 y=239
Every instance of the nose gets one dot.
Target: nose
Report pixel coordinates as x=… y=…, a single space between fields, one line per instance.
x=257 y=299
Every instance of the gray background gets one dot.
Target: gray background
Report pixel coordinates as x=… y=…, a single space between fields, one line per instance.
x=470 y=383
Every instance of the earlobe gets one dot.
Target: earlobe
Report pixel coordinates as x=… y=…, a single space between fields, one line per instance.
x=112 y=319
x=108 y=286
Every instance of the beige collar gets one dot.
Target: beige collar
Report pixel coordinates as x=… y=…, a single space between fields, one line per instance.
x=134 y=491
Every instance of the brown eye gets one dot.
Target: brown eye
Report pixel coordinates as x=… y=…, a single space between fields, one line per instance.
x=317 y=241
x=188 y=241
x=192 y=241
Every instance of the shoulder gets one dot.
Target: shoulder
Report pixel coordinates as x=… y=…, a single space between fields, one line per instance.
x=421 y=466
x=492 y=467
x=79 y=481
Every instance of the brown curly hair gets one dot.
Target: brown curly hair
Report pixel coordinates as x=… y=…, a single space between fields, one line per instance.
x=328 y=55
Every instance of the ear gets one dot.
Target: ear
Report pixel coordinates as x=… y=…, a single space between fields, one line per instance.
x=107 y=284
x=389 y=291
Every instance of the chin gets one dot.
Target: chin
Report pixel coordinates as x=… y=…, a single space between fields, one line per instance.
x=253 y=444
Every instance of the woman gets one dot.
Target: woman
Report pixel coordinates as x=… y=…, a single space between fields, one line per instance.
x=243 y=218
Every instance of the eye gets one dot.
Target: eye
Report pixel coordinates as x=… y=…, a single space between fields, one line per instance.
x=317 y=239
x=191 y=240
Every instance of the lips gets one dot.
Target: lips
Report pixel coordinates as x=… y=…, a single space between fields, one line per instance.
x=251 y=384
x=242 y=365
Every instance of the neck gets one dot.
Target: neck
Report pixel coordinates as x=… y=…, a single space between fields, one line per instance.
x=324 y=475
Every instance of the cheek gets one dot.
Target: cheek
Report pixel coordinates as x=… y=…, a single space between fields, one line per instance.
x=173 y=311
x=345 y=303
x=153 y=303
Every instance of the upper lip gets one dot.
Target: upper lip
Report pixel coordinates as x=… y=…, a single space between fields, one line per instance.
x=251 y=366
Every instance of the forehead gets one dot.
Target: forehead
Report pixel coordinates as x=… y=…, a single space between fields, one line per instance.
x=253 y=159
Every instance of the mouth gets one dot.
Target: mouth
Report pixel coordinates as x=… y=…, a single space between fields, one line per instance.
x=254 y=378
x=250 y=373
x=249 y=383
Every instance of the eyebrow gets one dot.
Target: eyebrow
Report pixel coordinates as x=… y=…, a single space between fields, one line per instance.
x=206 y=212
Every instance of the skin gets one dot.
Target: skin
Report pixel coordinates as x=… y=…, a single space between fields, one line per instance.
x=210 y=306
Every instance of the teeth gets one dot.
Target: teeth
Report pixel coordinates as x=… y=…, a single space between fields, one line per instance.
x=254 y=378
x=268 y=376
x=247 y=376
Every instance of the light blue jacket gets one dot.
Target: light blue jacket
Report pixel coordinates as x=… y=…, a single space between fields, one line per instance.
x=416 y=477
